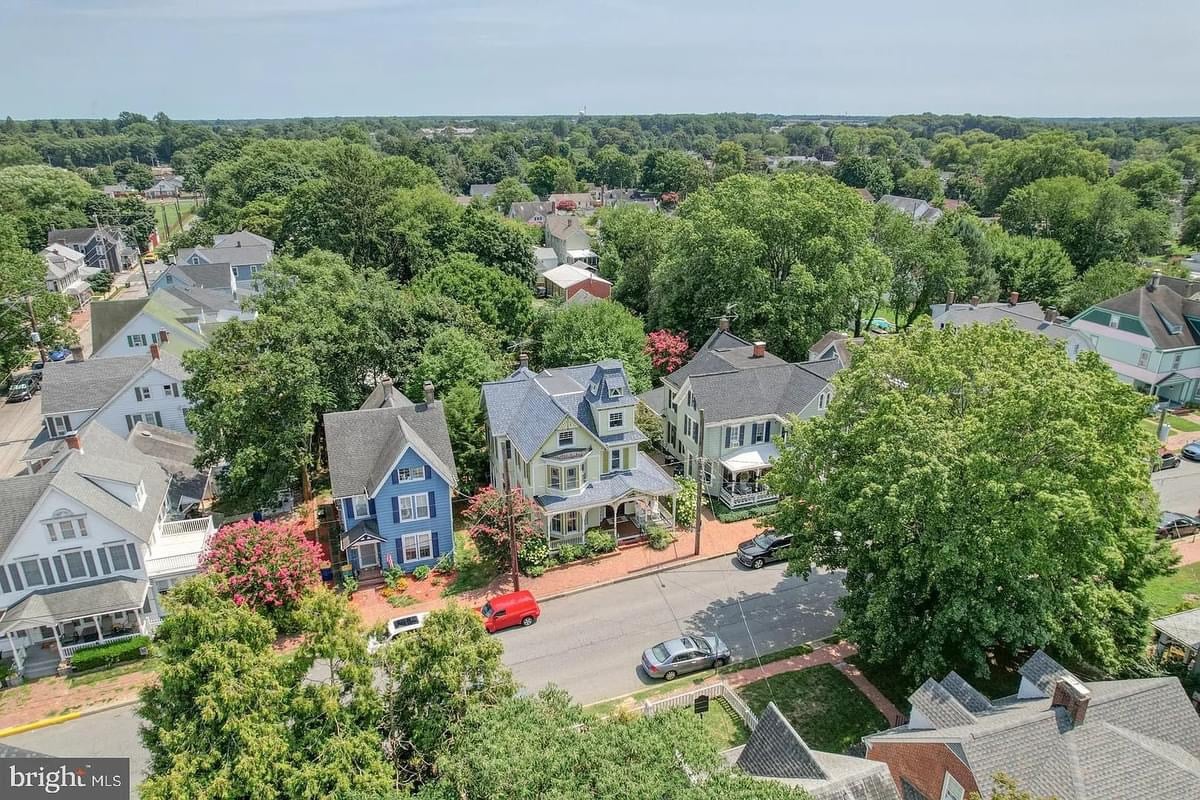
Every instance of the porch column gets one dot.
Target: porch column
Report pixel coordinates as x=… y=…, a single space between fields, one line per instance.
x=674 y=504
x=99 y=633
x=18 y=658
x=57 y=642
x=616 y=534
x=141 y=625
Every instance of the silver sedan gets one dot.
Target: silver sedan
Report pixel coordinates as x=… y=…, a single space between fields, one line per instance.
x=669 y=659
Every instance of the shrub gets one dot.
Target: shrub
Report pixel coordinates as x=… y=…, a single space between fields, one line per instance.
x=420 y=573
x=445 y=564
x=393 y=576
x=401 y=601
x=659 y=537
x=725 y=514
x=264 y=565
x=534 y=555
x=596 y=542
x=487 y=515
x=349 y=584
x=685 y=502
x=104 y=655
x=570 y=552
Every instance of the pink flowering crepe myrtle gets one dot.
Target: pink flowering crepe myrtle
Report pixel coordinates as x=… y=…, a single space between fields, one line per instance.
x=265 y=565
x=668 y=351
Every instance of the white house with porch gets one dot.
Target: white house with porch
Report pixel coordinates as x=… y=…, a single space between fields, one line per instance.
x=724 y=410
x=566 y=438
x=87 y=543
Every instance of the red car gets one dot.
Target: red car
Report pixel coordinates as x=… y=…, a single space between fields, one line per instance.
x=510 y=610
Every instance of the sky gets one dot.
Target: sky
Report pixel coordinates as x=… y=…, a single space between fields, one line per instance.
x=209 y=59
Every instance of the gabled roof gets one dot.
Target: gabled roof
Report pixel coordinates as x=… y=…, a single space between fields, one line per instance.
x=110 y=316
x=936 y=704
x=207 y=275
x=967 y=695
x=1163 y=310
x=87 y=385
x=567 y=275
x=582 y=297
x=385 y=395
x=104 y=456
x=1026 y=315
x=61 y=260
x=561 y=226
x=526 y=407
x=914 y=207
x=365 y=444
x=527 y=210
x=175 y=452
x=231 y=254
x=242 y=239
x=1042 y=671
x=71 y=236
x=1183 y=627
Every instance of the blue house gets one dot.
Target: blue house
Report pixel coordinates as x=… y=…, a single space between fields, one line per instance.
x=392 y=471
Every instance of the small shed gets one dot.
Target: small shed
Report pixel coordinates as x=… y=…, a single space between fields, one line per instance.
x=1180 y=630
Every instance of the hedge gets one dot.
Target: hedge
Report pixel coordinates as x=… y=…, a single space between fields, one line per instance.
x=105 y=655
x=726 y=514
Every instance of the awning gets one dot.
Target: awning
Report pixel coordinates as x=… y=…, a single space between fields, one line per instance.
x=754 y=456
x=77 y=601
x=364 y=532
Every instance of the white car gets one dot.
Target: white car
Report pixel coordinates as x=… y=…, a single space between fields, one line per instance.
x=395 y=627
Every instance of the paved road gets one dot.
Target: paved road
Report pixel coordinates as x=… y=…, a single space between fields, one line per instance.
x=1179 y=488
x=20 y=424
x=588 y=643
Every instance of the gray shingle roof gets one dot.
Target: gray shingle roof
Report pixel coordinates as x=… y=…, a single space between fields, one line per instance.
x=86 y=385
x=109 y=316
x=1183 y=627
x=526 y=407
x=175 y=452
x=64 y=603
x=646 y=478
x=779 y=390
x=1042 y=671
x=967 y=695
x=1163 y=310
x=775 y=750
x=914 y=207
x=75 y=235
x=721 y=353
x=243 y=239
x=526 y=211
x=207 y=276
x=231 y=254
x=938 y=706
x=1027 y=316
x=364 y=444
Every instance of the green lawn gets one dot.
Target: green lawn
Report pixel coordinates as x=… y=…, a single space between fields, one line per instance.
x=1177 y=425
x=724 y=726
x=186 y=205
x=1002 y=681
x=473 y=572
x=822 y=704
x=1175 y=592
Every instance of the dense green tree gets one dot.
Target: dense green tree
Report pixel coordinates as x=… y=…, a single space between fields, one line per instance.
x=581 y=334
x=730 y=159
x=509 y=191
x=672 y=171
x=435 y=677
x=451 y=357
x=37 y=198
x=1038 y=269
x=22 y=278
x=949 y=152
x=551 y=174
x=972 y=235
x=468 y=435
x=920 y=182
x=927 y=262
x=791 y=255
x=1190 y=234
x=614 y=168
x=500 y=300
x=985 y=494
x=864 y=172
x=506 y=245
x=632 y=241
x=1101 y=282
x=1048 y=154
x=546 y=746
x=18 y=153
x=1154 y=183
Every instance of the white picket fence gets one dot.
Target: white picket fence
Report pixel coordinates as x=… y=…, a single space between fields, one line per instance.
x=712 y=691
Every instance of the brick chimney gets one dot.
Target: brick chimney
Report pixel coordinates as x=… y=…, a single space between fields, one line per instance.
x=386 y=383
x=1013 y=298
x=163 y=336
x=1071 y=695
x=974 y=300
x=950 y=296
x=723 y=323
x=760 y=350
x=1155 y=279
x=1051 y=314
x=427 y=387
x=72 y=440
x=154 y=351
x=523 y=360
x=77 y=352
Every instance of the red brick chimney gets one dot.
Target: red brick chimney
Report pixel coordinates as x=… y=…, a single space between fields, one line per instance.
x=760 y=350
x=974 y=300
x=163 y=336
x=154 y=351
x=1071 y=695
x=72 y=440
x=1013 y=297
x=950 y=295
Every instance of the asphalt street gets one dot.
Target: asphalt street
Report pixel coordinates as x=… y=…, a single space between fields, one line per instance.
x=588 y=643
x=1179 y=488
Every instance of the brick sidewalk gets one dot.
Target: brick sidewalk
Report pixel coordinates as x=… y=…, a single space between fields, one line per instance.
x=877 y=698
x=50 y=697
x=716 y=539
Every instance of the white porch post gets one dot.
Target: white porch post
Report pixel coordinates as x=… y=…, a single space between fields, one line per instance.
x=57 y=642
x=674 y=506
x=17 y=656
x=616 y=534
x=99 y=633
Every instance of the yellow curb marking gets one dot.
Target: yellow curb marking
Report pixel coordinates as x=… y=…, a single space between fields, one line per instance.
x=42 y=723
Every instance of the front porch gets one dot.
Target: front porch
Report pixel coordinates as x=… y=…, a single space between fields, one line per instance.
x=48 y=627
x=742 y=476
x=627 y=519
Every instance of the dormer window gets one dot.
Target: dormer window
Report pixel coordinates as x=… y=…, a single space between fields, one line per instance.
x=139 y=495
x=616 y=419
x=66 y=526
x=566 y=438
x=615 y=391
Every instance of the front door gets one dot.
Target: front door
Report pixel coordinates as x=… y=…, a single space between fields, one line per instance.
x=368 y=555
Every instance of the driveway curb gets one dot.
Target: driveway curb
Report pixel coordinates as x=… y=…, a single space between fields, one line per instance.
x=633 y=576
x=61 y=718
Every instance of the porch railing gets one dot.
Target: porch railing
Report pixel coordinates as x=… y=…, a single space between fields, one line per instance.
x=69 y=650
x=186 y=526
x=740 y=500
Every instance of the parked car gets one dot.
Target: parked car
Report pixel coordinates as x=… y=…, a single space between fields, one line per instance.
x=1191 y=451
x=396 y=627
x=24 y=387
x=768 y=546
x=59 y=353
x=1166 y=460
x=675 y=657
x=1172 y=525
x=510 y=610
x=150 y=258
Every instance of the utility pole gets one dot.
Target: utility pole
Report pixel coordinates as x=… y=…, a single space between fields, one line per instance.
x=35 y=335
x=509 y=523
x=700 y=487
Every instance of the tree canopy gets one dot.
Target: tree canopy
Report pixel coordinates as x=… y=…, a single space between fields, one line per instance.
x=581 y=334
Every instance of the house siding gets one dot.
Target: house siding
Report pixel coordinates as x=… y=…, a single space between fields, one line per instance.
x=923 y=765
x=141 y=325
x=440 y=523
x=170 y=408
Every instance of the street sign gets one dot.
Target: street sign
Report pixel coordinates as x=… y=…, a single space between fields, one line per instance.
x=700 y=705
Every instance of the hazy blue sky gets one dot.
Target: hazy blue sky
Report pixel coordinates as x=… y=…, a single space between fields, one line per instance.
x=277 y=58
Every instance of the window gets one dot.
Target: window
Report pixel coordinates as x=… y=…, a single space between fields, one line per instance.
x=59 y=425
x=148 y=417
x=1143 y=358
x=362 y=506
x=141 y=393
x=75 y=567
x=414 y=506
x=696 y=432
x=136 y=340
x=1113 y=321
x=691 y=400
x=571 y=479
x=32 y=572
x=759 y=432
x=408 y=474
x=555 y=477
x=64 y=527
x=615 y=391
x=616 y=419
x=1175 y=360
x=614 y=459
x=822 y=400
x=566 y=438
x=418 y=546
x=952 y=789
x=171 y=390
x=565 y=524
x=735 y=435
x=687 y=426
x=118 y=556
